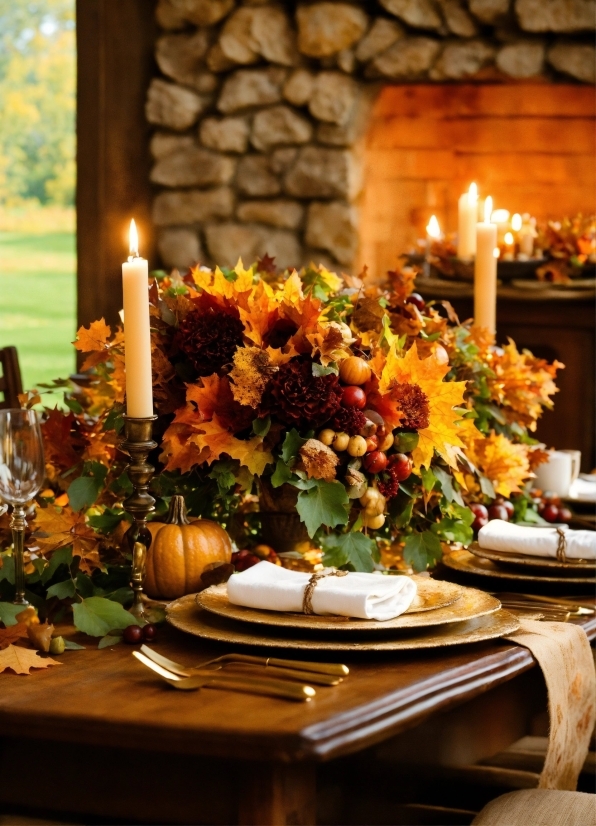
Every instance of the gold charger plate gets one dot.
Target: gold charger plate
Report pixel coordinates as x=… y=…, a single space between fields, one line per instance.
x=187 y=616
x=444 y=600
x=467 y=563
x=523 y=561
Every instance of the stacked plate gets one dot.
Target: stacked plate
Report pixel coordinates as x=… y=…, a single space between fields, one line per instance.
x=482 y=562
x=443 y=614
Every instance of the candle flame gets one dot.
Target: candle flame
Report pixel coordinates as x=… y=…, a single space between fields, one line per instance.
x=509 y=239
x=473 y=194
x=496 y=252
x=133 y=240
x=516 y=222
x=488 y=210
x=433 y=229
x=500 y=216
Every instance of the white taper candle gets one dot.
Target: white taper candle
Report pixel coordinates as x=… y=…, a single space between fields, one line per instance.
x=137 y=337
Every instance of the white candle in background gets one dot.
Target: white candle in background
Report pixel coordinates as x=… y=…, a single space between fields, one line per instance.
x=516 y=222
x=433 y=233
x=509 y=247
x=466 y=227
x=526 y=236
x=137 y=337
x=485 y=271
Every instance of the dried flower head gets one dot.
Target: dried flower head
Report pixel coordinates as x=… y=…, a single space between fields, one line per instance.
x=348 y=420
x=412 y=402
x=300 y=399
x=209 y=339
x=319 y=460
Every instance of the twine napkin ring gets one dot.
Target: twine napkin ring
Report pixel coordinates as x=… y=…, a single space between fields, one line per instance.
x=312 y=584
x=562 y=546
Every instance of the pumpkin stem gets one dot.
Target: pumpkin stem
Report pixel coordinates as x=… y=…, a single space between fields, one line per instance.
x=177 y=512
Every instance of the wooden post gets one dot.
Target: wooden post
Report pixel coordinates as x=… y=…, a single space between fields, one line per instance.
x=278 y=794
x=115 y=45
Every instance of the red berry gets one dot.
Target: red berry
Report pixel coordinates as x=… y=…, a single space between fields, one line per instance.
x=498 y=512
x=375 y=462
x=354 y=396
x=565 y=515
x=508 y=507
x=372 y=443
x=549 y=512
x=480 y=514
x=133 y=634
x=402 y=466
x=149 y=632
x=244 y=559
x=417 y=300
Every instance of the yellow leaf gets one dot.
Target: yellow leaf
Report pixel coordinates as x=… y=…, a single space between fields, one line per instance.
x=22 y=660
x=249 y=453
x=504 y=463
x=95 y=338
x=250 y=375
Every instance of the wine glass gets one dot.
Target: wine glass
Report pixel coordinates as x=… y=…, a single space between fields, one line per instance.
x=22 y=472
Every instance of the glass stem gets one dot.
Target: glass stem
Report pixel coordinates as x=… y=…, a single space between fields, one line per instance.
x=18 y=524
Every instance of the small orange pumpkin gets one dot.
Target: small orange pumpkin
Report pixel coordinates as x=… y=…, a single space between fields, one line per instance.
x=354 y=370
x=180 y=551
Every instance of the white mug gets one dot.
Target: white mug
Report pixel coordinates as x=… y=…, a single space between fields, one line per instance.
x=559 y=472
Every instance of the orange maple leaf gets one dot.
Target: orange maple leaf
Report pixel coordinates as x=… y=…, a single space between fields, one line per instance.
x=22 y=660
x=205 y=396
x=94 y=338
x=55 y=528
x=12 y=634
x=218 y=440
x=504 y=463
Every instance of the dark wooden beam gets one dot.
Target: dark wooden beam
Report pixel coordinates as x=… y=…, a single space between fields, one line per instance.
x=115 y=45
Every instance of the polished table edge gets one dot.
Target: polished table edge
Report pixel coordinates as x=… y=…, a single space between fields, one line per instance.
x=340 y=734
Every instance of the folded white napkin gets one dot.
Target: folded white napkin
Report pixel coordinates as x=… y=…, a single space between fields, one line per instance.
x=584 y=490
x=503 y=536
x=368 y=596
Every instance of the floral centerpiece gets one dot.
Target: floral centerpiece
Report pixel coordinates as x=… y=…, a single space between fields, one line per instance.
x=378 y=424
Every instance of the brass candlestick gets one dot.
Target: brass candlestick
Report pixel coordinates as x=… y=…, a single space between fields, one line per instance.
x=138 y=444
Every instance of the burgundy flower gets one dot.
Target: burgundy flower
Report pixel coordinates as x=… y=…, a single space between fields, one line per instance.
x=412 y=402
x=209 y=338
x=299 y=399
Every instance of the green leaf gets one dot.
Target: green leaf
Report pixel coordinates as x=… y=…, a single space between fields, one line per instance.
x=84 y=491
x=108 y=640
x=326 y=503
x=63 y=556
x=406 y=442
x=7 y=569
x=69 y=645
x=292 y=444
x=97 y=616
x=486 y=486
x=404 y=516
x=62 y=590
x=84 y=585
x=223 y=473
x=422 y=550
x=281 y=475
x=122 y=595
x=318 y=370
x=354 y=549
x=73 y=405
x=8 y=612
x=122 y=485
x=453 y=530
x=446 y=482
x=260 y=427
x=107 y=521
x=429 y=479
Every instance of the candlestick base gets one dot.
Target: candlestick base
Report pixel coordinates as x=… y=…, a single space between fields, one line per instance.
x=138 y=444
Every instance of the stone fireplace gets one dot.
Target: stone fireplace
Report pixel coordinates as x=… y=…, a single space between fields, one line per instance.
x=271 y=118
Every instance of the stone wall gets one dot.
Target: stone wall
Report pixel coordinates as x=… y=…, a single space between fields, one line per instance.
x=261 y=106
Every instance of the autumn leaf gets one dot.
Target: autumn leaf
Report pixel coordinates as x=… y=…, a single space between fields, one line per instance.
x=12 y=634
x=22 y=660
x=328 y=343
x=250 y=375
x=504 y=463
x=205 y=396
x=319 y=460
x=218 y=440
x=55 y=528
x=94 y=338
x=40 y=635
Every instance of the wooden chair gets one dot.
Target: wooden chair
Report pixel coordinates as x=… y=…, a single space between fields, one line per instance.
x=11 y=383
x=539 y=807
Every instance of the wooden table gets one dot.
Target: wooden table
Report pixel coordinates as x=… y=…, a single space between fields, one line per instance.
x=100 y=735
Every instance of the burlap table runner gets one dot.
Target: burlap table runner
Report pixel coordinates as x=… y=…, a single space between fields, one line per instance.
x=565 y=657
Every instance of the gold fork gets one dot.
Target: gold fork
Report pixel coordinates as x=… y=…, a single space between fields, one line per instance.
x=249 y=685
x=319 y=673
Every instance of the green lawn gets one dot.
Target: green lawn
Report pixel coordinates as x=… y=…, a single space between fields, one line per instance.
x=38 y=302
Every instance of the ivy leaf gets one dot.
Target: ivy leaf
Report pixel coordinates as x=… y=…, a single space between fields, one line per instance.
x=354 y=549
x=108 y=521
x=62 y=556
x=260 y=427
x=223 y=473
x=406 y=442
x=446 y=482
x=281 y=475
x=429 y=479
x=291 y=446
x=422 y=550
x=62 y=590
x=8 y=613
x=84 y=491
x=318 y=370
x=326 y=503
x=109 y=640
x=97 y=616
